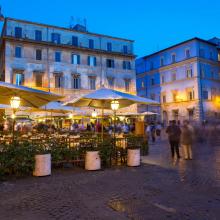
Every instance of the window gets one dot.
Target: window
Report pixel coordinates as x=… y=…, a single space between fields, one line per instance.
x=205 y=94
x=75 y=59
x=55 y=37
x=161 y=61
x=38 y=80
x=201 y=52
x=19 y=79
x=127 y=85
x=18 y=52
x=110 y=63
x=38 y=35
x=174 y=76
x=151 y=65
x=190 y=95
x=189 y=73
x=109 y=46
x=163 y=79
x=211 y=55
x=174 y=96
x=91 y=61
x=152 y=81
x=38 y=54
x=126 y=65
x=173 y=58
x=142 y=84
x=125 y=49
x=75 y=41
x=111 y=82
x=91 y=44
x=76 y=82
x=213 y=93
x=202 y=71
x=164 y=100
x=57 y=56
x=18 y=32
x=187 y=53
x=92 y=83
x=58 y=81
x=152 y=96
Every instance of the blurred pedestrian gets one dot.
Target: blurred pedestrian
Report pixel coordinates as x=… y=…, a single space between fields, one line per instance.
x=158 y=129
x=153 y=131
x=187 y=140
x=174 y=132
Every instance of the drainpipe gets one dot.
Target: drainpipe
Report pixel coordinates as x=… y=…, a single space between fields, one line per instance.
x=200 y=93
x=47 y=65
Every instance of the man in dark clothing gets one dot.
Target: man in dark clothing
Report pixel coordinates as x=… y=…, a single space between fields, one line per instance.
x=174 y=133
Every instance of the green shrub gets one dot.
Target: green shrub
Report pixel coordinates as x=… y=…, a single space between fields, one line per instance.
x=16 y=159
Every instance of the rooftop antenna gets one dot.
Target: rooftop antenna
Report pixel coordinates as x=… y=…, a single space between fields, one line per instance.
x=85 y=23
x=1 y=15
x=71 y=22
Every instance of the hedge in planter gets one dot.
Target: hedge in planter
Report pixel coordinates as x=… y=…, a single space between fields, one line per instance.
x=16 y=159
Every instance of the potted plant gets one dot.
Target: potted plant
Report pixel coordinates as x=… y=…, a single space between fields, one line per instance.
x=92 y=157
x=133 y=152
x=42 y=166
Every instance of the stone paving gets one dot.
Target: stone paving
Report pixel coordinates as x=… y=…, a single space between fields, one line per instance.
x=159 y=189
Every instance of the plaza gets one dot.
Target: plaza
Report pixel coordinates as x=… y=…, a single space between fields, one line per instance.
x=159 y=189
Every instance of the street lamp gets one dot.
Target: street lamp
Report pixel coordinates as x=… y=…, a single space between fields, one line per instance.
x=94 y=114
x=115 y=107
x=15 y=103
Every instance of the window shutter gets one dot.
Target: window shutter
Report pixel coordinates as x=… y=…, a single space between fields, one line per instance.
x=124 y=65
x=113 y=64
x=78 y=59
x=94 y=61
x=88 y=60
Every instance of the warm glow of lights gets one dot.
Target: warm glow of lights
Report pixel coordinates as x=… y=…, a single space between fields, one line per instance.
x=13 y=116
x=217 y=101
x=115 y=105
x=15 y=102
x=71 y=116
x=180 y=97
x=94 y=114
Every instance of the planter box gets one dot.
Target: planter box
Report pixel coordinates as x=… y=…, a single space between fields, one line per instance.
x=92 y=160
x=134 y=157
x=42 y=165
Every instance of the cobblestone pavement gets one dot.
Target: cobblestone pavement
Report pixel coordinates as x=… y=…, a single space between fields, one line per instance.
x=159 y=189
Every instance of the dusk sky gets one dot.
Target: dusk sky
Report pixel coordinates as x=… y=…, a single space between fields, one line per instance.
x=153 y=25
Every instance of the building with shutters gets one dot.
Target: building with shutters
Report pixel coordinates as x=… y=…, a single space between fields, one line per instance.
x=68 y=61
x=184 y=78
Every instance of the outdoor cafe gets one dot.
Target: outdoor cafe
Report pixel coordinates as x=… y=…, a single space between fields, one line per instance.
x=89 y=131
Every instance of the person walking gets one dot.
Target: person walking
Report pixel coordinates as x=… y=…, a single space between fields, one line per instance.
x=153 y=131
x=174 y=132
x=158 y=130
x=187 y=140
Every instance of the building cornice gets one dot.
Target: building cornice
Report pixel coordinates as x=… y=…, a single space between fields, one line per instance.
x=65 y=46
x=66 y=29
x=178 y=64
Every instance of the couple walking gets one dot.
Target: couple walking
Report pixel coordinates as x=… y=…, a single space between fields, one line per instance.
x=183 y=136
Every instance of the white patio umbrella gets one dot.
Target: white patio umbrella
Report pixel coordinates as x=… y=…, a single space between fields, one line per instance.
x=28 y=97
x=136 y=113
x=103 y=98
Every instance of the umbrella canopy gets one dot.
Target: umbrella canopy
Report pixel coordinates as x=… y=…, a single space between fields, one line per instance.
x=136 y=113
x=29 y=97
x=103 y=97
x=56 y=107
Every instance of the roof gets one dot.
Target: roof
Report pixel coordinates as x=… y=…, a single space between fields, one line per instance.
x=183 y=42
x=67 y=29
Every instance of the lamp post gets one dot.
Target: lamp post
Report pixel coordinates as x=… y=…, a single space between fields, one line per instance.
x=114 y=107
x=15 y=103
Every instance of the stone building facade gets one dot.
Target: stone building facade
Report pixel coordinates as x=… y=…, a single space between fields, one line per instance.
x=184 y=78
x=68 y=61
